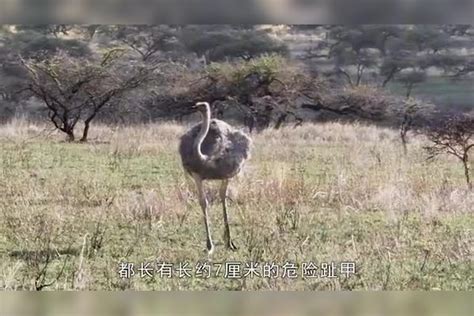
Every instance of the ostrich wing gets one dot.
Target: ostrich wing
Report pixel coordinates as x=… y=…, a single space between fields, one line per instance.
x=225 y=142
x=239 y=144
x=235 y=151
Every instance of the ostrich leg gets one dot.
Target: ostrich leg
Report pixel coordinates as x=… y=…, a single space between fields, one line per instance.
x=223 y=194
x=203 y=202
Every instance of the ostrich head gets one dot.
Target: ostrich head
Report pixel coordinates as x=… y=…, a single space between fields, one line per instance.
x=202 y=107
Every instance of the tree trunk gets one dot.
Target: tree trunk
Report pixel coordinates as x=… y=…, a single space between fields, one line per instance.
x=360 y=72
x=389 y=77
x=409 y=88
x=87 y=123
x=70 y=135
x=249 y=122
x=404 y=128
x=403 y=136
x=299 y=122
x=348 y=77
x=85 y=133
x=280 y=120
x=466 y=172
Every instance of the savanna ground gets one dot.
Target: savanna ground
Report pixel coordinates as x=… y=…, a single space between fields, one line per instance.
x=71 y=213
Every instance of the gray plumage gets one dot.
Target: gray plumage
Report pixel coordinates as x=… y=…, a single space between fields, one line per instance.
x=226 y=149
x=213 y=150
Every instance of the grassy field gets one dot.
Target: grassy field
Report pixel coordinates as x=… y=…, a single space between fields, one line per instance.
x=72 y=213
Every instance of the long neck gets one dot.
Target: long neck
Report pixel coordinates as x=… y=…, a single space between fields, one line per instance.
x=206 y=121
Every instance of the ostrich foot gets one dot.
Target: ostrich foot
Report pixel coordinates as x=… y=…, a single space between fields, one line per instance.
x=231 y=245
x=210 y=247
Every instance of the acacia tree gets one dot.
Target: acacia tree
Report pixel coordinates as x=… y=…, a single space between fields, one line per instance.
x=261 y=91
x=265 y=89
x=411 y=78
x=451 y=64
x=47 y=29
x=411 y=115
x=360 y=60
x=78 y=89
x=146 y=40
x=389 y=51
x=400 y=55
x=233 y=43
x=355 y=51
x=453 y=136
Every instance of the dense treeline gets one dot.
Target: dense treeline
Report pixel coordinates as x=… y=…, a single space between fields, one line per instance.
x=261 y=76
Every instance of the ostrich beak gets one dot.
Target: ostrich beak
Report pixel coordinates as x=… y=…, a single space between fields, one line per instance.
x=198 y=105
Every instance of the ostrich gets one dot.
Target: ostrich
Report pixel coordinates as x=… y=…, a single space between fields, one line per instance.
x=213 y=150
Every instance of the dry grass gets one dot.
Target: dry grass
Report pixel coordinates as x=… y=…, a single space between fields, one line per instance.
x=331 y=192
